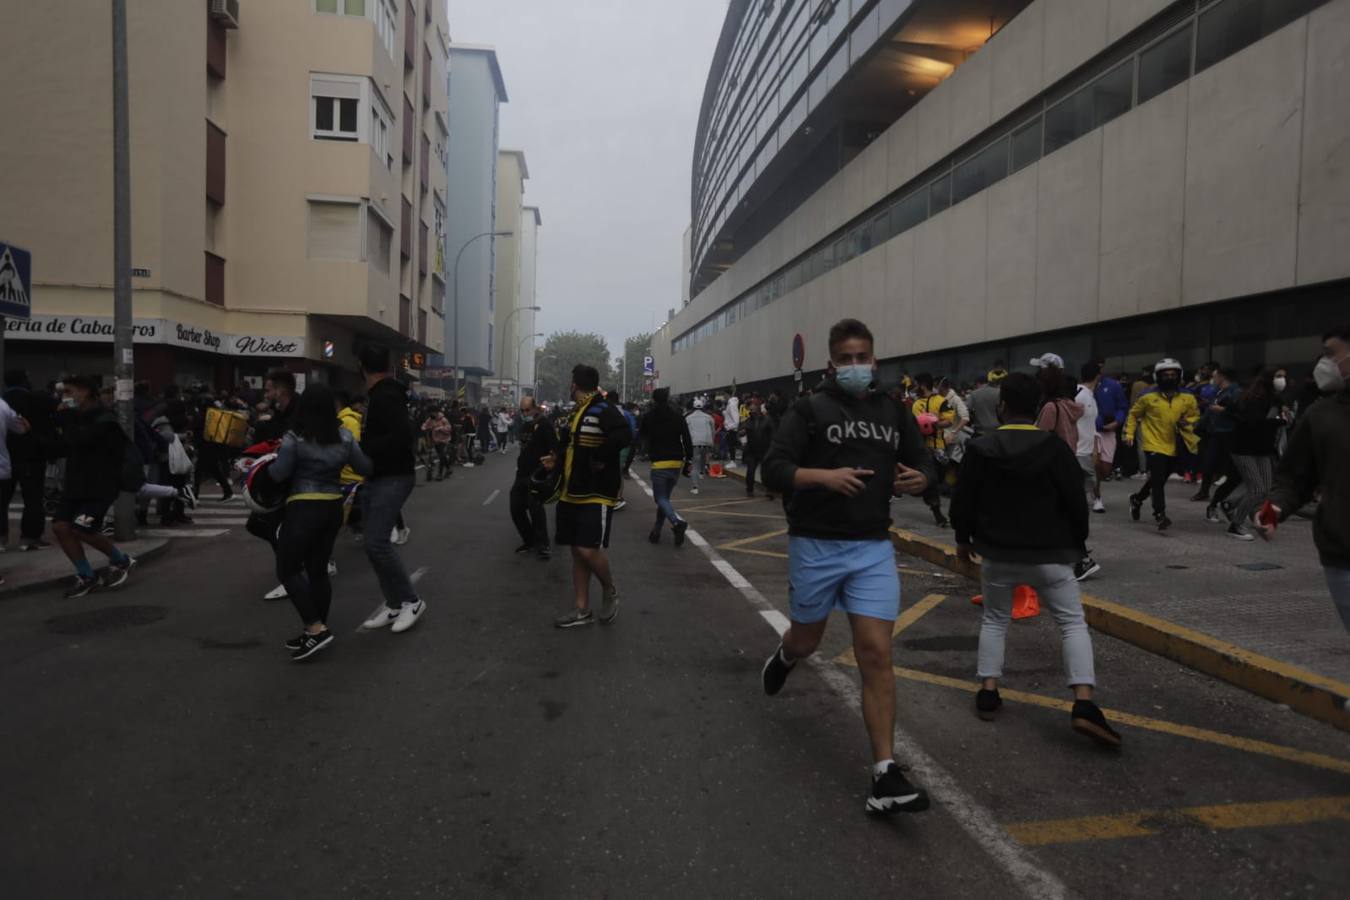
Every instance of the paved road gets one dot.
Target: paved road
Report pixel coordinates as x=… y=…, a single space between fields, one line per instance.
x=158 y=743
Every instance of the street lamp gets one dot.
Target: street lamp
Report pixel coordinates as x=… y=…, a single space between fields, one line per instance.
x=455 y=291
x=505 y=324
x=519 y=344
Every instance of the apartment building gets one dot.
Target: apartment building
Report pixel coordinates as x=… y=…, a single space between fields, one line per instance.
x=287 y=184
x=514 y=294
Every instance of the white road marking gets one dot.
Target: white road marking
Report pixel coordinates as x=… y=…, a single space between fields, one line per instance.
x=175 y=533
x=1036 y=882
x=219 y=520
x=492 y=496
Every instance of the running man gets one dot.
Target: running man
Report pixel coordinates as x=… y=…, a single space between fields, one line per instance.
x=840 y=454
x=1159 y=417
x=592 y=484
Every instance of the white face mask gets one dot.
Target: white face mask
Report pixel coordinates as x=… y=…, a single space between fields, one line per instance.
x=69 y=402
x=1327 y=374
x=1281 y=384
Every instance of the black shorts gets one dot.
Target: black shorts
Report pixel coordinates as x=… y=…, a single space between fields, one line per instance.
x=83 y=515
x=583 y=524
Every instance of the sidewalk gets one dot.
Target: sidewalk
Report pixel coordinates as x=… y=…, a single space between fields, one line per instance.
x=49 y=569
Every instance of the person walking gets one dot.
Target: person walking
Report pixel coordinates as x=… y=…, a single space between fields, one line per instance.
x=280 y=402
x=758 y=430
x=387 y=437
x=93 y=444
x=1111 y=410
x=702 y=431
x=935 y=416
x=1019 y=505
x=1256 y=424
x=502 y=424
x=485 y=419
x=1159 y=418
x=537 y=440
x=591 y=485
x=437 y=426
x=731 y=425
x=1217 y=422
x=671 y=450
x=1319 y=456
x=841 y=454
x=983 y=404
x=28 y=460
x=312 y=457
x=1085 y=451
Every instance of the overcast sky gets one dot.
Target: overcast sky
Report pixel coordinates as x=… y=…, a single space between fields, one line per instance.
x=604 y=98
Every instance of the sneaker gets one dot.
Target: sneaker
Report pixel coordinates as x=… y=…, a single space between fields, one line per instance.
x=892 y=793
x=574 y=618
x=680 y=528
x=36 y=544
x=545 y=553
x=277 y=593
x=1085 y=568
x=408 y=615
x=987 y=704
x=694 y=491
x=83 y=586
x=399 y=536
x=654 y=536
x=118 y=573
x=609 y=605
x=467 y=464
x=1162 y=521
x=1087 y=719
x=775 y=671
x=1200 y=496
x=312 y=644
x=620 y=505
x=1136 y=505
x=939 y=519
x=188 y=496
x=332 y=569
x=1098 y=506
x=381 y=617
x=296 y=642
x=227 y=495
x=1237 y=532
x=1212 y=514
x=524 y=548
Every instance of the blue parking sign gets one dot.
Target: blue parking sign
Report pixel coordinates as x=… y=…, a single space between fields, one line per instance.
x=16 y=282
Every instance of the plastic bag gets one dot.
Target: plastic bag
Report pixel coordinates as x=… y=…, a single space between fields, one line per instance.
x=179 y=461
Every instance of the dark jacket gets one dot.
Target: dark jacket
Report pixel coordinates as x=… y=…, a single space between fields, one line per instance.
x=1319 y=454
x=387 y=433
x=591 y=452
x=758 y=435
x=1020 y=498
x=1254 y=429
x=93 y=444
x=832 y=430
x=33 y=447
x=666 y=434
x=277 y=426
x=537 y=438
x=314 y=468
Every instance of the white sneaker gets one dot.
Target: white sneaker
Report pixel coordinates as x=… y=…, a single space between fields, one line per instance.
x=694 y=491
x=407 y=616
x=1098 y=505
x=381 y=617
x=332 y=569
x=277 y=593
x=399 y=536
x=467 y=465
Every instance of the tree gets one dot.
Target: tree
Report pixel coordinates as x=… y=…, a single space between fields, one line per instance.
x=634 y=349
x=562 y=351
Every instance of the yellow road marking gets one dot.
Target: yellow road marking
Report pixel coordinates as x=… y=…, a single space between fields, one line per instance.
x=755 y=552
x=737 y=515
x=1220 y=817
x=915 y=613
x=754 y=539
x=702 y=505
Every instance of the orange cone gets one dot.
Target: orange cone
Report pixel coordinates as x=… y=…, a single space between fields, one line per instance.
x=1026 y=602
x=715 y=470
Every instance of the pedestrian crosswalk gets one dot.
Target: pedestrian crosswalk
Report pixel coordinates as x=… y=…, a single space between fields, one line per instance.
x=211 y=519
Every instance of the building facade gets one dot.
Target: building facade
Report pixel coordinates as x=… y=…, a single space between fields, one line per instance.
x=527 y=323
x=1122 y=179
x=281 y=191
x=509 y=298
x=476 y=91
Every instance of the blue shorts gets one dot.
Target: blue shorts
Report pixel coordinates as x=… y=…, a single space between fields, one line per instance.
x=859 y=577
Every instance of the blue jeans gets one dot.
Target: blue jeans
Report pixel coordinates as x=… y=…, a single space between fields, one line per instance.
x=663 y=483
x=383 y=500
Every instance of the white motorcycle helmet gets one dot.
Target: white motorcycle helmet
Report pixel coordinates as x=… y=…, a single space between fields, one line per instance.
x=261 y=494
x=1165 y=365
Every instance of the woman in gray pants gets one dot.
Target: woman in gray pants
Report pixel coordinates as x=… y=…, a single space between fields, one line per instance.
x=1253 y=451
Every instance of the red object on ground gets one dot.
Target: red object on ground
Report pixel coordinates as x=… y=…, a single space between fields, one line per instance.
x=1026 y=602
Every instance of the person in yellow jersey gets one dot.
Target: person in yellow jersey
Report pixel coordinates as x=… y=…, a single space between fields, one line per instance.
x=592 y=484
x=1158 y=418
x=936 y=416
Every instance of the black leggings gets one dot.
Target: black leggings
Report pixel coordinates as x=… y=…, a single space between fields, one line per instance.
x=303 y=550
x=1159 y=470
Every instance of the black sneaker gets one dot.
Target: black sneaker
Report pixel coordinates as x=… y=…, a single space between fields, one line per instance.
x=118 y=573
x=987 y=704
x=544 y=553
x=311 y=644
x=296 y=642
x=938 y=518
x=1085 y=568
x=1087 y=719
x=680 y=528
x=654 y=536
x=775 y=671
x=36 y=544
x=1162 y=521
x=574 y=618
x=188 y=496
x=525 y=548
x=892 y=793
x=1200 y=497
x=83 y=586
x=1136 y=505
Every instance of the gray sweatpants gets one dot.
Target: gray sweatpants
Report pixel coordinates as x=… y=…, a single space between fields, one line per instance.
x=1058 y=590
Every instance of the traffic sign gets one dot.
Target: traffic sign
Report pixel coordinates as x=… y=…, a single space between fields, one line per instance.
x=648 y=365
x=798 y=351
x=16 y=282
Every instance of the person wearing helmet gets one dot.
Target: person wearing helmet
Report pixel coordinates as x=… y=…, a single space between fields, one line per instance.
x=1159 y=418
x=702 y=428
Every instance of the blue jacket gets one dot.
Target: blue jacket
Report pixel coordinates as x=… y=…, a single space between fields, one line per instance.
x=1111 y=402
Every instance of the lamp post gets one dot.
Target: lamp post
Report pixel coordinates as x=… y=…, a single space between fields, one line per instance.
x=519 y=344
x=505 y=324
x=455 y=289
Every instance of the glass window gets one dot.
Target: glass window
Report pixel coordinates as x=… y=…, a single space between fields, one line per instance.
x=1026 y=144
x=1234 y=24
x=940 y=194
x=1090 y=107
x=879 y=232
x=1165 y=64
x=981 y=170
x=328 y=6
x=339 y=110
x=909 y=212
x=1112 y=94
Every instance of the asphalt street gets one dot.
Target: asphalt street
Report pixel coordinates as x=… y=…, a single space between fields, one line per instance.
x=158 y=742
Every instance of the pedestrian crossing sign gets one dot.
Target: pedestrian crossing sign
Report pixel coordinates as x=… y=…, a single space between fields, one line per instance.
x=16 y=282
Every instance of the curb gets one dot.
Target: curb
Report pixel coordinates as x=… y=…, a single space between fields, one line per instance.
x=146 y=555
x=1321 y=698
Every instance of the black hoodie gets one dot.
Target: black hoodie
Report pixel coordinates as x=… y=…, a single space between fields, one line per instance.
x=387 y=433
x=831 y=430
x=1020 y=498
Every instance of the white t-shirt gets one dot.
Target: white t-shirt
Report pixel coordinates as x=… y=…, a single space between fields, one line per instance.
x=1087 y=423
x=731 y=416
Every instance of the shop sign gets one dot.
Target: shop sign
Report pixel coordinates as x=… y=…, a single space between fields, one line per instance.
x=153 y=331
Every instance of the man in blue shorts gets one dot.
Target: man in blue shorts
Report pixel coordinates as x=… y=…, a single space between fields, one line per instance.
x=837 y=457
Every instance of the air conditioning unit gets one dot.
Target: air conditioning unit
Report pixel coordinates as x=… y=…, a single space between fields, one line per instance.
x=226 y=12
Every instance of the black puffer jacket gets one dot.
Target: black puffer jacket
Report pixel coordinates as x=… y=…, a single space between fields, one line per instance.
x=93 y=444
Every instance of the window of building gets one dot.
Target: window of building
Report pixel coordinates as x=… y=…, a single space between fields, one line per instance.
x=1089 y=107
x=334 y=229
x=940 y=194
x=1165 y=64
x=386 y=25
x=380 y=127
x=379 y=241
x=909 y=212
x=981 y=170
x=1026 y=144
x=335 y=118
x=1234 y=24
x=341 y=7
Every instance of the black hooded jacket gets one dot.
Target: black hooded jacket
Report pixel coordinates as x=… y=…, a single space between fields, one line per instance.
x=1020 y=498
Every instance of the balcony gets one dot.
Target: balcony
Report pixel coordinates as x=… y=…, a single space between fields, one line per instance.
x=215 y=164
x=408 y=115
x=215 y=49
x=426 y=78
x=405 y=229
x=426 y=162
x=215 y=280
x=422 y=249
x=404 y=314
x=410 y=37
